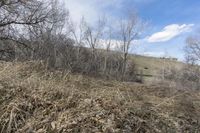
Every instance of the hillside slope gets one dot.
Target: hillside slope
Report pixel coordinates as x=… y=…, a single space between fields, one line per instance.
x=35 y=100
x=153 y=67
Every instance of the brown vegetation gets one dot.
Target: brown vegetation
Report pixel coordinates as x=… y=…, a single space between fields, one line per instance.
x=54 y=77
x=34 y=99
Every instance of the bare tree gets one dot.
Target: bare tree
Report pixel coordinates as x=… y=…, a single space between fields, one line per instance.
x=189 y=76
x=92 y=36
x=94 y=33
x=107 y=42
x=129 y=31
x=16 y=16
x=15 y=13
x=78 y=34
x=46 y=36
x=193 y=49
x=21 y=12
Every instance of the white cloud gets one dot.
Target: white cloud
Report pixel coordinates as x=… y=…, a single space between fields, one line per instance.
x=90 y=9
x=169 y=32
x=116 y=44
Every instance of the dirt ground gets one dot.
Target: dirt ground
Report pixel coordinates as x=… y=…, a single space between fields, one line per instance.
x=33 y=99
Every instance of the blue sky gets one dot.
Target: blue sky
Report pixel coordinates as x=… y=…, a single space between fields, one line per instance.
x=169 y=21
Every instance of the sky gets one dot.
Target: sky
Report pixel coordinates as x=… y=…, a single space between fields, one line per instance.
x=169 y=22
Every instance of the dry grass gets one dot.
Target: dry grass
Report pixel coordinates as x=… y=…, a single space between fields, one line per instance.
x=152 y=67
x=35 y=100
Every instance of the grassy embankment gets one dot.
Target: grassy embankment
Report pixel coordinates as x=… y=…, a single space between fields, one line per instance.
x=153 y=67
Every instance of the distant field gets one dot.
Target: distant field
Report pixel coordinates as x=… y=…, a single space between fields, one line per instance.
x=152 y=66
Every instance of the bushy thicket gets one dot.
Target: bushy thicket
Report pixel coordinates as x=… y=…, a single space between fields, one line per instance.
x=188 y=76
x=63 y=56
x=43 y=31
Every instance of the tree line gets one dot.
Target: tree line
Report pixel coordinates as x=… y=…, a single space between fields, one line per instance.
x=43 y=30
